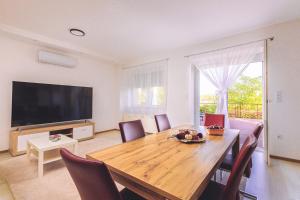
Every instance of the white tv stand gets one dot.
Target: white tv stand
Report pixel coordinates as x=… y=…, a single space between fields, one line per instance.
x=77 y=130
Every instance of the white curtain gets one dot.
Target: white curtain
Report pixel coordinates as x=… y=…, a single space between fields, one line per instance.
x=223 y=67
x=144 y=88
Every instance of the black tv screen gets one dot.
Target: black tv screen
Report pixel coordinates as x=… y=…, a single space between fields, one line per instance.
x=36 y=103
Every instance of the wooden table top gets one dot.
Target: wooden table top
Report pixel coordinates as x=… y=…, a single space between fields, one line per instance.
x=166 y=166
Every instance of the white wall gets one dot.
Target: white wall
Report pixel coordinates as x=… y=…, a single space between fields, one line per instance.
x=18 y=62
x=284 y=75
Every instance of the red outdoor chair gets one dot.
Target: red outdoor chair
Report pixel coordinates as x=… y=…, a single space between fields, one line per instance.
x=214 y=119
x=93 y=180
x=162 y=122
x=131 y=130
x=217 y=191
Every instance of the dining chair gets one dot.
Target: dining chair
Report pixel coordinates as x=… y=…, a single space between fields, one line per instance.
x=258 y=130
x=131 y=130
x=214 y=119
x=93 y=179
x=228 y=161
x=162 y=122
x=230 y=191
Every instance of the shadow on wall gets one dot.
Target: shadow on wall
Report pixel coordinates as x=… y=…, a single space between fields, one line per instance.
x=148 y=121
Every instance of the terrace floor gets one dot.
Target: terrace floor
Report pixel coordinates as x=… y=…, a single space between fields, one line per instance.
x=246 y=127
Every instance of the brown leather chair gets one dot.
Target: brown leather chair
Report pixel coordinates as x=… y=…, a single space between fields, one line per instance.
x=214 y=119
x=162 y=122
x=93 y=180
x=131 y=130
x=217 y=191
x=228 y=162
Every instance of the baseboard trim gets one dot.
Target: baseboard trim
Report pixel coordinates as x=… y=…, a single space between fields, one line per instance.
x=285 y=158
x=99 y=132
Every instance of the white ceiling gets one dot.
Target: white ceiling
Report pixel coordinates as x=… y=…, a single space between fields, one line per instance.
x=125 y=29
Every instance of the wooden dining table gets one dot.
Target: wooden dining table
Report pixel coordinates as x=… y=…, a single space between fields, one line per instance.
x=161 y=167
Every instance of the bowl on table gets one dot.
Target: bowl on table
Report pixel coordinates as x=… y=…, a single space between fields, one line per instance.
x=54 y=138
x=189 y=136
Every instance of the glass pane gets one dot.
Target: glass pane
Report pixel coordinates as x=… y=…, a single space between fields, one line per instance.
x=141 y=95
x=245 y=95
x=158 y=96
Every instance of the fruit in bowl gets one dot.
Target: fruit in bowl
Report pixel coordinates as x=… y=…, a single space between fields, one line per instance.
x=215 y=130
x=54 y=138
x=215 y=127
x=200 y=135
x=181 y=134
x=188 y=134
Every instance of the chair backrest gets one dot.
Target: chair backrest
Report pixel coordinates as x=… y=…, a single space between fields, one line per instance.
x=92 y=178
x=214 y=119
x=231 y=191
x=258 y=130
x=131 y=130
x=162 y=122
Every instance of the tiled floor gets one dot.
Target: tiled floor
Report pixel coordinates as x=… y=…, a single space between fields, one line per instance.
x=281 y=181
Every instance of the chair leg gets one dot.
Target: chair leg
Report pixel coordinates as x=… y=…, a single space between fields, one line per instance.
x=247 y=195
x=221 y=174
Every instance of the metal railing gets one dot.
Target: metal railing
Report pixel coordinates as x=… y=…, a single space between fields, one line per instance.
x=236 y=110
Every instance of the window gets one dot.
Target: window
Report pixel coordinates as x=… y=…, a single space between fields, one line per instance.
x=141 y=96
x=157 y=95
x=144 y=89
x=244 y=96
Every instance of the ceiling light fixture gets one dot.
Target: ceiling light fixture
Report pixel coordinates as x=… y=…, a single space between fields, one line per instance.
x=77 y=32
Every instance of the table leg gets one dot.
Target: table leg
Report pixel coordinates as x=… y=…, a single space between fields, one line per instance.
x=41 y=163
x=236 y=147
x=75 y=148
x=28 y=150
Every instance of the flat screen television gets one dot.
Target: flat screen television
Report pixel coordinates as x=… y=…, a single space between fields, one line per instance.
x=36 y=103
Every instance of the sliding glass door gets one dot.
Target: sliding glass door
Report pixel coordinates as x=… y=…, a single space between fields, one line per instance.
x=233 y=81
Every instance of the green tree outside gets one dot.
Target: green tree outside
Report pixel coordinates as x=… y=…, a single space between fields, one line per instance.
x=244 y=99
x=246 y=90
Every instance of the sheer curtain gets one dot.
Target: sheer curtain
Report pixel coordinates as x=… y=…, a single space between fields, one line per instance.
x=143 y=88
x=223 y=67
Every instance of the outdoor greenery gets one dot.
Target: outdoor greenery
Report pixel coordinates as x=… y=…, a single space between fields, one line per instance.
x=246 y=90
x=244 y=99
x=209 y=105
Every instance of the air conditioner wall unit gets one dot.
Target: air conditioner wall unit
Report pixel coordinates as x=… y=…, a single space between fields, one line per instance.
x=56 y=59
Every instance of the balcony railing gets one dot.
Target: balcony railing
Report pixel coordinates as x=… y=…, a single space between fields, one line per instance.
x=236 y=110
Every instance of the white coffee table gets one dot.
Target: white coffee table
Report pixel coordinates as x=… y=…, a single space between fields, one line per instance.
x=47 y=151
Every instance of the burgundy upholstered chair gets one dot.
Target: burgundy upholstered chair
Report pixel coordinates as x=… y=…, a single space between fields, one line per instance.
x=131 y=130
x=217 y=191
x=162 y=122
x=214 y=119
x=258 y=130
x=228 y=162
x=93 y=180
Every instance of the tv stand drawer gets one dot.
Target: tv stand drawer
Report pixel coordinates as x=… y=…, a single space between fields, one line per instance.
x=22 y=140
x=83 y=132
